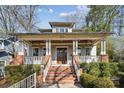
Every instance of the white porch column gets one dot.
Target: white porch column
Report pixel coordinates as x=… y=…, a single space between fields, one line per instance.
x=76 y=47
x=93 y=51
x=103 y=47
x=47 y=47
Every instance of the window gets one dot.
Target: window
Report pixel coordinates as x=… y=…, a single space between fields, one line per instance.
x=88 y=51
x=79 y=51
x=35 y=51
x=44 y=51
x=62 y=30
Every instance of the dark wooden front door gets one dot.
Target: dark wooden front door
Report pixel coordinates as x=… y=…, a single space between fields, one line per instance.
x=61 y=55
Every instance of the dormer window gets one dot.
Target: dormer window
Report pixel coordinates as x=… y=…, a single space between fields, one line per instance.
x=61 y=30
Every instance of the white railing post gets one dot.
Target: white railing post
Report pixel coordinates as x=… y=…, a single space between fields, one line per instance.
x=35 y=80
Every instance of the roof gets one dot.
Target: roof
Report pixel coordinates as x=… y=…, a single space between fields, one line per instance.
x=62 y=24
x=45 y=30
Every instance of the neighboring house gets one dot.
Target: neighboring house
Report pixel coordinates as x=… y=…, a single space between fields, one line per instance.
x=6 y=47
x=62 y=46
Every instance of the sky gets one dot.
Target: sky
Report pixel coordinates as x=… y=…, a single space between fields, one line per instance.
x=52 y=13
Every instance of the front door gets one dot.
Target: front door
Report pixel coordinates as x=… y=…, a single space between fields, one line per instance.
x=61 y=55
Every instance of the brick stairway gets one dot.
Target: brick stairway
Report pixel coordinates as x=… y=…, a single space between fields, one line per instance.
x=61 y=75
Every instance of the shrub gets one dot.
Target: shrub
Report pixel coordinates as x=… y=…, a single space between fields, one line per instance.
x=121 y=78
x=103 y=82
x=121 y=67
x=105 y=71
x=86 y=80
x=18 y=72
x=94 y=69
x=113 y=68
x=85 y=67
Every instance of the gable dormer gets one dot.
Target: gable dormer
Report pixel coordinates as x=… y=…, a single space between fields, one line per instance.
x=61 y=27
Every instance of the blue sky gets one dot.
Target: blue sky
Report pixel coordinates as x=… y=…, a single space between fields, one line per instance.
x=52 y=13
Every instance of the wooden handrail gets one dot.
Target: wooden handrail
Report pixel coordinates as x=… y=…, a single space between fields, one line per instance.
x=46 y=60
x=46 y=66
x=77 y=60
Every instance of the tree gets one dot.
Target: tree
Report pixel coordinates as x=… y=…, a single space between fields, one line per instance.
x=103 y=18
x=77 y=16
x=16 y=19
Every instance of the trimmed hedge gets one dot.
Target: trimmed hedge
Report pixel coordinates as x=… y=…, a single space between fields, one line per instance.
x=103 y=82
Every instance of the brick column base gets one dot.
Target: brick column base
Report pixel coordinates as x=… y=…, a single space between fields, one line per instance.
x=104 y=58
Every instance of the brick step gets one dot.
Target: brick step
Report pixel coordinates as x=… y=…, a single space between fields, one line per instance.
x=60 y=75
x=61 y=82
x=64 y=76
x=52 y=72
x=59 y=79
x=61 y=69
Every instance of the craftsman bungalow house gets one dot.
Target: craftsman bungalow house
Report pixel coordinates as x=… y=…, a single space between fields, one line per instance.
x=61 y=46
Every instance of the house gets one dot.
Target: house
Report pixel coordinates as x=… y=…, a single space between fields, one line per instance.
x=61 y=46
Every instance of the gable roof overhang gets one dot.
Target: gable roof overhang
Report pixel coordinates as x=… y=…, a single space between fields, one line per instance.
x=62 y=24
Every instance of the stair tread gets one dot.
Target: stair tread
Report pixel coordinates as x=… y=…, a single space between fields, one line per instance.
x=61 y=74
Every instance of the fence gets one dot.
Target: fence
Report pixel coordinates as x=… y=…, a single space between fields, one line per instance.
x=28 y=82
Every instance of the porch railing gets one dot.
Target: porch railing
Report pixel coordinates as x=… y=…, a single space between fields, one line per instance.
x=28 y=82
x=34 y=60
x=47 y=64
x=89 y=58
x=76 y=64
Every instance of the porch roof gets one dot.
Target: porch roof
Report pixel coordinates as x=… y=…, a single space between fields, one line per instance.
x=62 y=36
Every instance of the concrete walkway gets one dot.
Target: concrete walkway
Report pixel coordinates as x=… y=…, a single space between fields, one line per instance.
x=61 y=86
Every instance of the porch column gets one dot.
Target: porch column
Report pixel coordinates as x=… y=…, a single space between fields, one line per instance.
x=76 y=47
x=103 y=47
x=47 y=47
x=104 y=56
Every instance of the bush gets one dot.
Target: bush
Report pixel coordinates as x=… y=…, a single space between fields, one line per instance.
x=86 y=80
x=105 y=71
x=113 y=68
x=94 y=69
x=121 y=67
x=121 y=78
x=103 y=83
x=18 y=72
x=85 y=67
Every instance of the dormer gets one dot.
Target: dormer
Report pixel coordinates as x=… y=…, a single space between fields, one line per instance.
x=61 y=27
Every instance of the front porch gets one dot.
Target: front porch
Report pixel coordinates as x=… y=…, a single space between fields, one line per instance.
x=62 y=51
